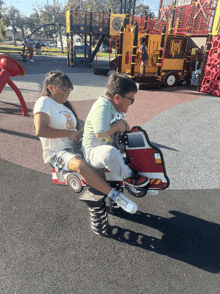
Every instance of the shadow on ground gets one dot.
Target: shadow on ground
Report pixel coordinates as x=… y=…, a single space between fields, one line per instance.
x=185 y=238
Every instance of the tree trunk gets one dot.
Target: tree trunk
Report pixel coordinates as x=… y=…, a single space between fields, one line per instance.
x=14 y=33
x=61 y=40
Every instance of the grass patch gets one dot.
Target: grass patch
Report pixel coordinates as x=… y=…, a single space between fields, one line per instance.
x=46 y=51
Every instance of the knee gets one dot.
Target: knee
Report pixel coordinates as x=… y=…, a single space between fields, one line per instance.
x=112 y=154
x=77 y=164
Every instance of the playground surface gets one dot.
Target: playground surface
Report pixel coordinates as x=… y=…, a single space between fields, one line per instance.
x=170 y=246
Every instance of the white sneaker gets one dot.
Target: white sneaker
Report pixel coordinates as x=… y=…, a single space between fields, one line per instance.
x=125 y=203
x=31 y=60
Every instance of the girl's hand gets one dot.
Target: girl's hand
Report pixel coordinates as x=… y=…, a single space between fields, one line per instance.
x=76 y=135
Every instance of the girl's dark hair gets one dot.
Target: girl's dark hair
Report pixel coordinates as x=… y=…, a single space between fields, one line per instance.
x=50 y=80
x=120 y=84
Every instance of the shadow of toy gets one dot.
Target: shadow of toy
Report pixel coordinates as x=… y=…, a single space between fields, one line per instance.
x=186 y=238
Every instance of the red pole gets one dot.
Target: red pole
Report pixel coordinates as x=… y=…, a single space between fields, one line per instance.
x=20 y=97
x=4 y=77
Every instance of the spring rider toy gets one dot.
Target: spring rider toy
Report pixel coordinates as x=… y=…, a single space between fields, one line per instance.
x=11 y=68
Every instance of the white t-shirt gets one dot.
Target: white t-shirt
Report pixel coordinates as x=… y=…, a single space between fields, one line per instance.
x=61 y=118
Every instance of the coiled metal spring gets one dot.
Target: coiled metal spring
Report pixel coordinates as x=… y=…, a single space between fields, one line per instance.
x=99 y=218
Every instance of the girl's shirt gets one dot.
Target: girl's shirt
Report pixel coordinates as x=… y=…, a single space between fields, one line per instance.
x=61 y=118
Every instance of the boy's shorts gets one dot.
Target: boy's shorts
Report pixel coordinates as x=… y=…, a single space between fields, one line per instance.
x=60 y=161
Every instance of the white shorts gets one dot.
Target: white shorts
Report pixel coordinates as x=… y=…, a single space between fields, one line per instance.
x=106 y=156
x=60 y=161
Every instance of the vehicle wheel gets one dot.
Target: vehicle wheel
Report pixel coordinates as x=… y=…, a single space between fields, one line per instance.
x=74 y=183
x=171 y=79
x=135 y=191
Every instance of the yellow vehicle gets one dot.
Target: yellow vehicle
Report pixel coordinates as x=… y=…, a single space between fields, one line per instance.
x=168 y=58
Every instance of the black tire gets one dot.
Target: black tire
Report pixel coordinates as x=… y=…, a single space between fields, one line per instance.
x=135 y=191
x=100 y=71
x=171 y=79
x=74 y=183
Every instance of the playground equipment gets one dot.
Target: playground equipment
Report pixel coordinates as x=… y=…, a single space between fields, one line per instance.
x=168 y=38
x=11 y=68
x=169 y=50
x=185 y=17
x=168 y=60
x=86 y=23
x=210 y=80
x=140 y=155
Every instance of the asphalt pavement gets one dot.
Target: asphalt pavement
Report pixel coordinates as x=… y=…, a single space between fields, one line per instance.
x=171 y=245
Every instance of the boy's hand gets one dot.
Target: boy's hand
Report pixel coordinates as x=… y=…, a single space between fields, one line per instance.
x=126 y=125
x=121 y=127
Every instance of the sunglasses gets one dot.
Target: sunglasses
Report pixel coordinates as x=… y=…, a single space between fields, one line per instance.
x=64 y=87
x=132 y=99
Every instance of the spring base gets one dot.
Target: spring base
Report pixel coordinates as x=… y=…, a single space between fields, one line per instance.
x=97 y=209
x=99 y=218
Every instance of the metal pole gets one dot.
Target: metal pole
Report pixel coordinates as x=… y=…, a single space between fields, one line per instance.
x=120 y=49
x=90 y=41
x=135 y=41
x=68 y=50
x=146 y=20
x=125 y=7
x=161 y=51
x=129 y=9
x=173 y=16
x=134 y=7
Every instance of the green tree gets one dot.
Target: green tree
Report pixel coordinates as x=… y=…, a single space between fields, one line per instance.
x=33 y=22
x=114 y=5
x=3 y=23
x=54 y=14
x=1 y=4
x=51 y=13
x=12 y=15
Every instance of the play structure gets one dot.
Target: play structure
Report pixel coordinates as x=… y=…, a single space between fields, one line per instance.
x=140 y=154
x=210 y=79
x=168 y=38
x=11 y=68
x=168 y=59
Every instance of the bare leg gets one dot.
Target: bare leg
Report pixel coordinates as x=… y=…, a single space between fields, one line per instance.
x=77 y=164
x=142 y=70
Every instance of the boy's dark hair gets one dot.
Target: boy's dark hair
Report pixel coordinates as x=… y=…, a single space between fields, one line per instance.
x=142 y=40
x=120 y=84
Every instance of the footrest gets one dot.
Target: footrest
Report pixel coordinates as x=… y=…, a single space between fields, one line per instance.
x=92 y=197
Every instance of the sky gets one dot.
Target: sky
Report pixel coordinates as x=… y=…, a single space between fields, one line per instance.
x=26 y=6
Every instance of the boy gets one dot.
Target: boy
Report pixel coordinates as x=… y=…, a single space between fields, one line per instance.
x=105 y=118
